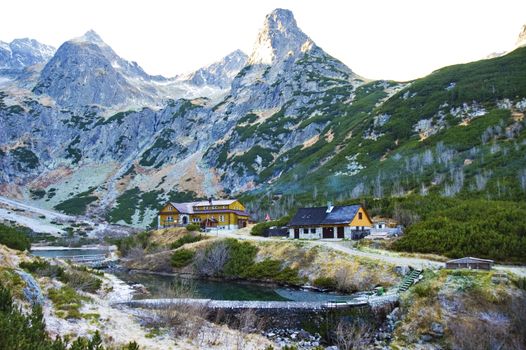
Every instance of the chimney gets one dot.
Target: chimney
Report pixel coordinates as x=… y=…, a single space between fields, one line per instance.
x=329 y=207
x=210 y=200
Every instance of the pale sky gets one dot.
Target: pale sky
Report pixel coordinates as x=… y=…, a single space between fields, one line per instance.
x=378 y=39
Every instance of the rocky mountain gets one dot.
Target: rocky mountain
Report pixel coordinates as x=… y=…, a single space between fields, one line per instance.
x=219 y=74
x=86 y=71
x=22 y=53
x=93 y=133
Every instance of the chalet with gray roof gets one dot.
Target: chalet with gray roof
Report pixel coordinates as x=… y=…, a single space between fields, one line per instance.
x=330 y=222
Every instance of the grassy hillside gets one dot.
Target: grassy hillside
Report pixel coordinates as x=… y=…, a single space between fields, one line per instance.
x=292 y=263
x=458 y=132
x=463 y=310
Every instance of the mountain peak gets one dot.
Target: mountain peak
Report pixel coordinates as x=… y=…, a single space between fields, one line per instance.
x=92 y=37
x=280 y=37
x=521 y=41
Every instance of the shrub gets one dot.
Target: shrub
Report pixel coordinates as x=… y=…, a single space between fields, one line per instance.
x=193 y=227
x=126 y=244
x=82 y=280
x=211 y=261
x=182 y=257
x=14 y=238
x=42 y=268
x=241 y=257
x=270 y=269
x=325 y=282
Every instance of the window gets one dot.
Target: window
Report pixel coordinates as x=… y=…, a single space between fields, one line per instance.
x=360 y=216
x=305 y=230
x=221 y=218
x=170 y=219
x=312 y=230
x=170 y=208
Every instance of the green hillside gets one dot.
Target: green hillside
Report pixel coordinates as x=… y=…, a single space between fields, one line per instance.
x=471 y=144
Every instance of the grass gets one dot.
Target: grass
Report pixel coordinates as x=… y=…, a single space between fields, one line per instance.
x=67 y=301
x=186 y=239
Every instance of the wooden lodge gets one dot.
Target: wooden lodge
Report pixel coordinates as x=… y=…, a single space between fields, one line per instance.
x=470 y=263
x=331 y=222
x=224 y=214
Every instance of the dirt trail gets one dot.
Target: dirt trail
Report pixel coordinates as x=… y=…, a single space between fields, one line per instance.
x=384 y=256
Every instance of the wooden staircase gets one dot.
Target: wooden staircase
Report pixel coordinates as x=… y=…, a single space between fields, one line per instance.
x=408 y=280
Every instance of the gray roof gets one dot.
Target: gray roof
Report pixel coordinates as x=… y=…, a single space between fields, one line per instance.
x=319 y=216
x=470 y=260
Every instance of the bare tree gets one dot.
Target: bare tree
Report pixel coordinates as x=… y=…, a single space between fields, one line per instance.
x=353 y=335
x=378 y=189
x=210 y=262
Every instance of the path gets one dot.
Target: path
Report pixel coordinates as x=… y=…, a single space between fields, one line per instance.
x=336 y=245
x=387 y=257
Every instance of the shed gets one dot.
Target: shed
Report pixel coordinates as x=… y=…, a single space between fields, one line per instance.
x=470 y=263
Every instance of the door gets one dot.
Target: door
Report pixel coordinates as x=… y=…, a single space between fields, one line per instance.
x=296 y=233
x=340 y=232
x=328 y=232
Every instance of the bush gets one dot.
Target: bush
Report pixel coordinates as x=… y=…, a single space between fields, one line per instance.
x=211 y=261
x=14 y=238
x=485 y=229
x=42 y=268
x=325 y=282
x=188 y=238
x=193 y=227
x=126 y=244
x=82 y=280
x=182 y=257
x=270 y=269
x=241 y=257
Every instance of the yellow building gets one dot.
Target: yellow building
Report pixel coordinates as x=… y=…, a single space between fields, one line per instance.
x=227 y=214
x=330 y=222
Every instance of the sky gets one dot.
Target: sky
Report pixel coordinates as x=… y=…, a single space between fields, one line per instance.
x=377 y=39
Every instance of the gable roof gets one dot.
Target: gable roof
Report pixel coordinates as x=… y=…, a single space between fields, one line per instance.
x=215 y=202
x=318 y=216
x=469 y=260
x=188 y=207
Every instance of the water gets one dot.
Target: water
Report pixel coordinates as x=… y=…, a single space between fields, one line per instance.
x=159 y=287
x=64 y=253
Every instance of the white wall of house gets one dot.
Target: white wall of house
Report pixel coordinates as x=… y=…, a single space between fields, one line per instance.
x=318 y=232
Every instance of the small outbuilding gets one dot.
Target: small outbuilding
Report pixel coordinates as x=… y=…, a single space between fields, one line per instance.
x=469 y=263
